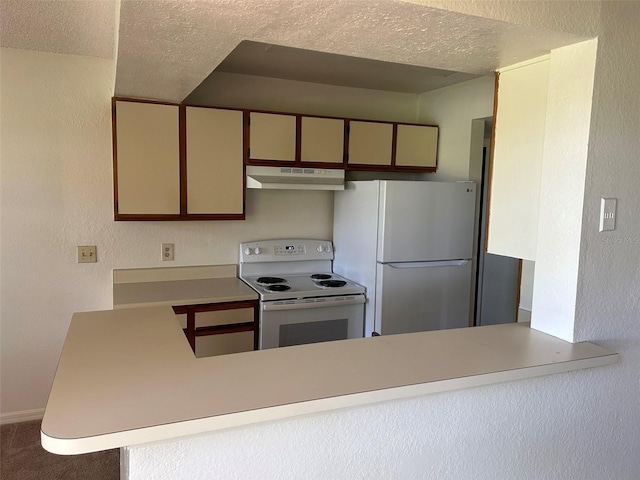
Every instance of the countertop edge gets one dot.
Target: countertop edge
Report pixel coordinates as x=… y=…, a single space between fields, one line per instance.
x=190 y=301
x=172 y=431
x=177 y=292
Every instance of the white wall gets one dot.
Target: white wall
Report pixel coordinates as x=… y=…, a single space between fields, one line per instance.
x=580 y=425
x=57 y=194
x=562 y=193
x=609 y=278
x=453 y=108
x=478 y=434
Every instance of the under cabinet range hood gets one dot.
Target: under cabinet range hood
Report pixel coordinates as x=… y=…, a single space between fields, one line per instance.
x=294 y=178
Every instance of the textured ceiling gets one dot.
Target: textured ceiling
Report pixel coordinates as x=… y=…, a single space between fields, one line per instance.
x=78 y=27
x=167 y=48
x=266 y=60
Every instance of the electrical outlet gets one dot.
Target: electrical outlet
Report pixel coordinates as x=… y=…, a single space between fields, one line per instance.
x=87 y=254
x=167 y=252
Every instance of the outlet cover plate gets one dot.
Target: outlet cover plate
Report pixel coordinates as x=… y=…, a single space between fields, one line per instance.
x=167 y=252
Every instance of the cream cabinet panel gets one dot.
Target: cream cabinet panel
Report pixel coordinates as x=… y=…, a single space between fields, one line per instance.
x=212 y=345
x=416 y=146
x=148 y=158
x=517 y=161
x=322 y=140
x=224 y=317
x=272 y=136
x=225 y=343
x=370 y=143
x=214 y=153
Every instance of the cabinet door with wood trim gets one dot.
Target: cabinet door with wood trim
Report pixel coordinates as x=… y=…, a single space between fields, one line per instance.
x=272 y=137
x=220 y=328
x=322 y=140
x=214 y=161
x=370 y=143
x=416 y=146
x=147 y=158
x=234 y=342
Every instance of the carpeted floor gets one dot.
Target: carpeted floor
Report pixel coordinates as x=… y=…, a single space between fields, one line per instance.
x=23 y=458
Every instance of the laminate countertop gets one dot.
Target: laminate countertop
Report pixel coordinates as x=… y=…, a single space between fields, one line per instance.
x=181 y=292
x=128 y=377
x=173 y=286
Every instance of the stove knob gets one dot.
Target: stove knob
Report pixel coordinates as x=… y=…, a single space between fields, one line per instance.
x=319 y=248
x=247 y=251
x=258 y=251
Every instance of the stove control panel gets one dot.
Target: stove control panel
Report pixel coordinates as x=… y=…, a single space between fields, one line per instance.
x=324 y=248
x=291 y=249
x=285 y=250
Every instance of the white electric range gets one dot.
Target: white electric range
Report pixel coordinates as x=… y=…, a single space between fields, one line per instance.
x=301 y=299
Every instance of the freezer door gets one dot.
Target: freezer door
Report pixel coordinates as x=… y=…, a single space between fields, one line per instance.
x=423 y=221
x=421 y=296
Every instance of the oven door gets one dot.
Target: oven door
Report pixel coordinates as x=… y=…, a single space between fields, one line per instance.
x=295 y=322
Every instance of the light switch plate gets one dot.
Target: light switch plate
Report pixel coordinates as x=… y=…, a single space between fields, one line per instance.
x=608 y=214
x=87 y=254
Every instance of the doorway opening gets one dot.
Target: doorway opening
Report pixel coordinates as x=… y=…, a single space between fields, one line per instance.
x=497 y=279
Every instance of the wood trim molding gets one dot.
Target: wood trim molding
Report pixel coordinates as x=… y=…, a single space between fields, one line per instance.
x=491 y=152
x=182 y=122
x=394 y=144
x=192 y=332
x=519 y=288
x=114 y=146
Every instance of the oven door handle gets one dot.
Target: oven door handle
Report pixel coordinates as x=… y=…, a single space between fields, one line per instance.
x=294 y=305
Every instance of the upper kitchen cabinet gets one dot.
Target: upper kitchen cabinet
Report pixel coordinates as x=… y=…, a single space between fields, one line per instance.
x=173 y=162
x=322 y=140
x=214 y=161
x=330 y=142
x=146 y=160
x=370 y=143
x=518 y=148
x=272 y=137
x=416 y=146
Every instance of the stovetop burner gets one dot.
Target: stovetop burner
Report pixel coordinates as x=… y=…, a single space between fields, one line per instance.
x=293 y=270
x=270 y=280
x=278 y=288
x=320 y=276
x=332 y=283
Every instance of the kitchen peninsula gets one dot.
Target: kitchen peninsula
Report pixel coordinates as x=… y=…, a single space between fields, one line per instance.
x=128 y=377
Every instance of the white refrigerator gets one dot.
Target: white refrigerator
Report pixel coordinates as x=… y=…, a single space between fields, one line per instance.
x=410 y=244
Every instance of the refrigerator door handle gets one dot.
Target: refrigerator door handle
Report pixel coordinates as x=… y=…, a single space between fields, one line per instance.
x=445 y=263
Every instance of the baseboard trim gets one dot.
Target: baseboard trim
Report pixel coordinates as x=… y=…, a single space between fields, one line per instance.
x=23 y=416
x=524 y=315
